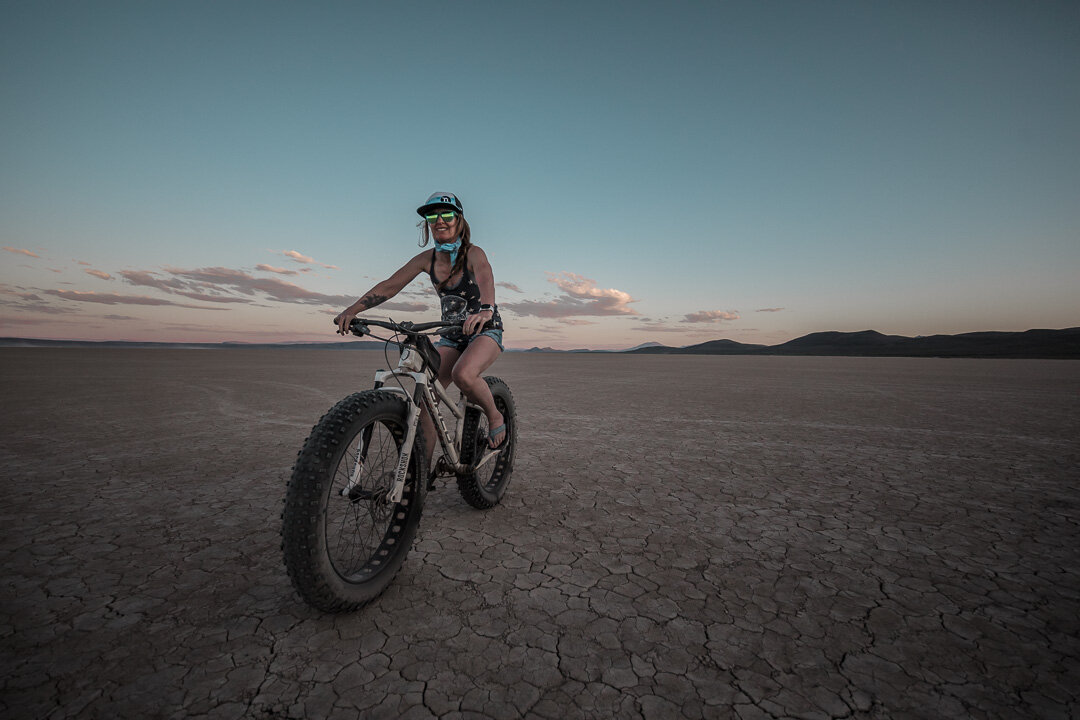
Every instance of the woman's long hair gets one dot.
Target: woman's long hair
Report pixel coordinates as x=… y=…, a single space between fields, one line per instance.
x=463 y=254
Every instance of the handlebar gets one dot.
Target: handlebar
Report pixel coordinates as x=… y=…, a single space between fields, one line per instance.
x=359 y=326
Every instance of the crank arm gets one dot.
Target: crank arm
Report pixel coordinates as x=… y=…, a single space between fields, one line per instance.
x=488 y=455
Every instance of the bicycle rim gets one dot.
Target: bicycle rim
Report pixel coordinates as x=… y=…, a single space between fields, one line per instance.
x=362 y=529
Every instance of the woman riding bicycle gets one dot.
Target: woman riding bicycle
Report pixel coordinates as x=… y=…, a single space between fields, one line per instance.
x=467 y=293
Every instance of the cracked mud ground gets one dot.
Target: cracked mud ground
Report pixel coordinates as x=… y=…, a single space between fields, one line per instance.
x=683 y=537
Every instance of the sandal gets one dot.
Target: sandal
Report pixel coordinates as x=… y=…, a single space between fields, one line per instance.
x=501 y=430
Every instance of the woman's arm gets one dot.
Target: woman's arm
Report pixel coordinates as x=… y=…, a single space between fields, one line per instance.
x=382 y=292
x=485 y=280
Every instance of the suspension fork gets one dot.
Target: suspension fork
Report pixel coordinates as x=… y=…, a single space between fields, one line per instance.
x=361 y=455
x=411 y=423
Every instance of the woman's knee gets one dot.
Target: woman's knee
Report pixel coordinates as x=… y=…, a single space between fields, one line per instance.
x=464 y=375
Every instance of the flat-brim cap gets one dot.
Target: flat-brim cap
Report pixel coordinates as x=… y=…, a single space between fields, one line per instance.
x=440 y=199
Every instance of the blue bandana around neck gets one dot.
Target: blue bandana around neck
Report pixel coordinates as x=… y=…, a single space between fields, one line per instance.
x=450 y=247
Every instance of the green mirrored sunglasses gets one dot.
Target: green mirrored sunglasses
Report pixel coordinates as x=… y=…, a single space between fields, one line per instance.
x=446 y=216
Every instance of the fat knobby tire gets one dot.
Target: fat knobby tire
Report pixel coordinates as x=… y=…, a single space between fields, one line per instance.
x=485 y=488
x=304 y=530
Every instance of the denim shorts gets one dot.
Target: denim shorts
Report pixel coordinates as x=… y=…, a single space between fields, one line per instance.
x=495 y=335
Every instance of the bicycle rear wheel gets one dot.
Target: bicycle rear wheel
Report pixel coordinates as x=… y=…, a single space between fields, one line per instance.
x=485 y=487
x=342 y=541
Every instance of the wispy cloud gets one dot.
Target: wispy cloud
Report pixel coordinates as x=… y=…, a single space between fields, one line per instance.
x=659 y=326
x=770 y=310
x=117 y=299
x=6 y=289
x=206 y=297
x=21 y=251
x=151 y=279
x=710 y=316
x=228 y=280
x=305 y=260
x=510 y=286
x=280 y=271
x=20 y=300
x=581 y=297
x=226 y=285
x=213 y=287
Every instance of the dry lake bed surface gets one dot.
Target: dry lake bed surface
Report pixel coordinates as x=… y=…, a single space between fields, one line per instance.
x=699 y=537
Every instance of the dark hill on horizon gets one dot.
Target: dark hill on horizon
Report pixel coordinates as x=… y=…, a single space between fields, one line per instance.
x=1032 y=344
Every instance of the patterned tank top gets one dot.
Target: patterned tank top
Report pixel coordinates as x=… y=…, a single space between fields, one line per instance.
x=461 y=300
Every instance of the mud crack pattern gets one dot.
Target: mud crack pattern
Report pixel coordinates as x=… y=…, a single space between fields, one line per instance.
x=693 y=537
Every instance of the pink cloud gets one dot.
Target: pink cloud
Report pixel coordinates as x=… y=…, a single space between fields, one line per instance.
x=780 y=309
x=580 y=297
x=510 y=286
x=710 y=316
x=99 y=274
x=21 y=251
x=305 y=260
x=612 y=301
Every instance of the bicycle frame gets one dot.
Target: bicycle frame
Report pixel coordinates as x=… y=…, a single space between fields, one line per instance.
x=426 y=395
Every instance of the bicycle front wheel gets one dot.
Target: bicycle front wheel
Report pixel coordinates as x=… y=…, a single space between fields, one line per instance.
x=342 y=540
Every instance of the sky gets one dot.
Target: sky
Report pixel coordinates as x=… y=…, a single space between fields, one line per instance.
x=636 y=172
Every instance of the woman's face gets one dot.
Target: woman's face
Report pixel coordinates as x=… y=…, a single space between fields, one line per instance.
x=445 y=231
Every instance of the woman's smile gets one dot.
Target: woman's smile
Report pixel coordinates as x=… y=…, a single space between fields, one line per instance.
x=442 y=231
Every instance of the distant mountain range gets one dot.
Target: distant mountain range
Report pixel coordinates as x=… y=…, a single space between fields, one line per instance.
x=1043 y=344
x=869 y=343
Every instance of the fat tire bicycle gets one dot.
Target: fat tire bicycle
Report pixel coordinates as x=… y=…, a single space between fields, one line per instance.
x=357 y=491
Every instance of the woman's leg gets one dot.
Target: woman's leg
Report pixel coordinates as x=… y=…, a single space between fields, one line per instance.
x=467 y=372
x=446 y=366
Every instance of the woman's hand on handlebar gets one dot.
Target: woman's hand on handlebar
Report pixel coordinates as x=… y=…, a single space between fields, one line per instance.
x=342 y=321
x=474 y=323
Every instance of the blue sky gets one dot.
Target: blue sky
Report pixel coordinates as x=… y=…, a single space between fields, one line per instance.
x=672 y=172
